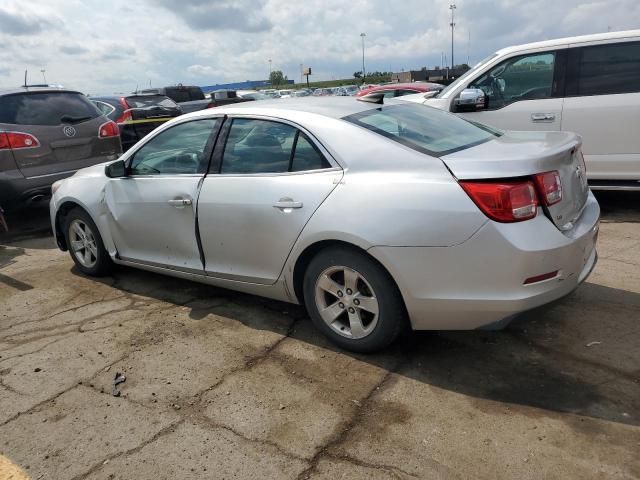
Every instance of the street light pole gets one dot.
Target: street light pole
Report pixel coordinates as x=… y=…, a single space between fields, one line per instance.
x=452 y=7
x=364 y=75
x=43 y=77
x=269 y=70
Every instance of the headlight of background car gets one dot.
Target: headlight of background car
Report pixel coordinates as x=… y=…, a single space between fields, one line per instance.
x=56 y=185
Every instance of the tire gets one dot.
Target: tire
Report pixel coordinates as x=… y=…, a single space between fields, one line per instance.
x=90 y=257
x=346 y=315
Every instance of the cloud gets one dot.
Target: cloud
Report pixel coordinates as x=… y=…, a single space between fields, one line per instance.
x=240 y=15
x=201 y=70
x=73 y=49
x=16 y=23
x=206 y=42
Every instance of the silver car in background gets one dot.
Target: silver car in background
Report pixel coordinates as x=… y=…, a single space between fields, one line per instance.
x=375 y=217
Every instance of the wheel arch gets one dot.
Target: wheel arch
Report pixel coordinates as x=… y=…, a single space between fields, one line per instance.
x=61 y=213
x=305 y=257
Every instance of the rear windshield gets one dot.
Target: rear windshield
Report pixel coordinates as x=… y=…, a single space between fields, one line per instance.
x=45 y=108
x=425 y=129
x=185 y=94
x=143 y=101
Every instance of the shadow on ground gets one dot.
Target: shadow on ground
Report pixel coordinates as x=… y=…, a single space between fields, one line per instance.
x=536 y=361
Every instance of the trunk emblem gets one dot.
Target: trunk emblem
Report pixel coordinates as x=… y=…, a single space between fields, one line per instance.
x=69 y=131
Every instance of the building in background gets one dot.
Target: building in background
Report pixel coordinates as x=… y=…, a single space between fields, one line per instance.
x=428 y=75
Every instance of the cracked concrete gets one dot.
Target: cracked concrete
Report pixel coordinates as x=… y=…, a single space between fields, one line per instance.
x=225 y=385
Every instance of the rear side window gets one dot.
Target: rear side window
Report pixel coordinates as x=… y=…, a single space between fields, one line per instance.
x=46 y=108
x=605 y=69
x=262 y=146
x=427 y=130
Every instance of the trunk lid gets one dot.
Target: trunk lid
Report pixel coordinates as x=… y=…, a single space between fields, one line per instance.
x=525 y=154
x=150 y=111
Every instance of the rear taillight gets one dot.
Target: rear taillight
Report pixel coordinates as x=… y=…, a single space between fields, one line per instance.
x=17 y=140
x=108 y=129
x=549 y=186
x=126 y=114
x=504 y=200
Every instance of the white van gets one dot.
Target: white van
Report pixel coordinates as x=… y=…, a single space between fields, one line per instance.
x=588 y=84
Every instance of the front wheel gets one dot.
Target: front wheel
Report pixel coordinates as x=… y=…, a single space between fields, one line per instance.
x=353 y=300
x=85 y=244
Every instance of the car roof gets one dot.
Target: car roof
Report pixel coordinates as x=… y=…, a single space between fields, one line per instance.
x=557 y=42
x=13 y=91
x=332 y=107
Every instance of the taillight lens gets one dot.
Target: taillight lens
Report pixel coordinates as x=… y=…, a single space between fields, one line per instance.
x=549 y=186
x=126 y=114
x=17 y=140
x=108 y=129
x=504 y=201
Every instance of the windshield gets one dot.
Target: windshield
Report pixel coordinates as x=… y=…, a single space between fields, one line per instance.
x=46 y=108
x=143 y=101
x=452 y=86
x=425 y=129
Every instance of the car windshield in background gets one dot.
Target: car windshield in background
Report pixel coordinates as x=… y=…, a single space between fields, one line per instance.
x=424 y=129
x=185 y=94
x=45 y=108
x=143 y=101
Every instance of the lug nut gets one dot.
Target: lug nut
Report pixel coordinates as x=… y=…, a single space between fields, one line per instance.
x=351 y=310
x=349 y=291
x=356 y=302
x=340 y=293
x=341 y=305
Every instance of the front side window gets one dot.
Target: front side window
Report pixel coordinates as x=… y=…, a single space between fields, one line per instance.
x=262 y=146
x=606 y=69
x=520 y=78
x=427 y=130
x=178 y=150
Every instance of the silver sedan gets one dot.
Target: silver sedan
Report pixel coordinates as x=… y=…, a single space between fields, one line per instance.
x=375 y=217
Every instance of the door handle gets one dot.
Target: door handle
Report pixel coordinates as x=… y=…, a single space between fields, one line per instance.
x=180 y=202
x=543 y=117
x=287 y=203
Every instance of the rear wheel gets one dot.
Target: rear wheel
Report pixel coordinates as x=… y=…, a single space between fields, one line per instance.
x=353 y=300
x=85 y=244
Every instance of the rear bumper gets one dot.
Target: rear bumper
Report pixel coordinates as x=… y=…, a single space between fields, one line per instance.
x=17 y=190
x=481 y=281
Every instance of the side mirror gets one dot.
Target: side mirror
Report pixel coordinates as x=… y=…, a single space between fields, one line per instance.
x=470 y=100
x=116 y=169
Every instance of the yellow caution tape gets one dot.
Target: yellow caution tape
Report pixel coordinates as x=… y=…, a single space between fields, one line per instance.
x=146 y=120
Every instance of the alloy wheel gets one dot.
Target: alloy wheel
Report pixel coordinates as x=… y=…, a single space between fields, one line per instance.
x=83 y=243
x=346 y=302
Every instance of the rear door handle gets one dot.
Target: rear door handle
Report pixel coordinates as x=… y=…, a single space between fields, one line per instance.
x=287 y=203
x=180 y=202
x=543 y=117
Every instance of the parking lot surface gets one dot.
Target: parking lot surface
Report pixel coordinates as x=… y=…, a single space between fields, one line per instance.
x=225 y=385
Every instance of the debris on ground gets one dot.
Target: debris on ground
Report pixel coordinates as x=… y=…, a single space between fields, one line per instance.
x=591 y=344
x=119 y=378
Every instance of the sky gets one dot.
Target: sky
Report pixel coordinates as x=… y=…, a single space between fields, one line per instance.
x=106 y=47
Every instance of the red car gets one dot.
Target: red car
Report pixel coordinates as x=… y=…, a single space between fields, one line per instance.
x=400 y=89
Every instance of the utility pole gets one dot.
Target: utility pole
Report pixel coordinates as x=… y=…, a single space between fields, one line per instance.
x=452 y=7
x=43 y=77
x=364 y=76
x=269 y=70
